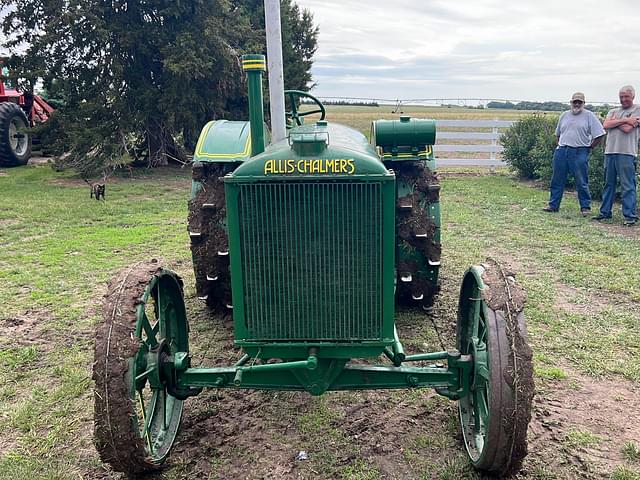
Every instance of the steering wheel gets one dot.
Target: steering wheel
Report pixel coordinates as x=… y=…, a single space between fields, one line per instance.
x=296 y=116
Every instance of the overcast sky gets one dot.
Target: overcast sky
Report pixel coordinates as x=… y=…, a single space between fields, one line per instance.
x=542 y=50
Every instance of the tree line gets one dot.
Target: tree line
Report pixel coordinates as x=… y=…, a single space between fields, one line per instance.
x=543 y=106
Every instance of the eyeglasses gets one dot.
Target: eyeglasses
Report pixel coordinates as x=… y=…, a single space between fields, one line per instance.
x=577 y=102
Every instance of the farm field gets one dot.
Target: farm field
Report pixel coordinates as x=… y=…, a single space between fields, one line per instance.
x=59 y=248
x=360 y=117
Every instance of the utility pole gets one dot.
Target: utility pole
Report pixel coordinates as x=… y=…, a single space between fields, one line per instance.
x=274 y=69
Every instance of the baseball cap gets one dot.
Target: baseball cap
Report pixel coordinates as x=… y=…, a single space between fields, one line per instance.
x=578 y=96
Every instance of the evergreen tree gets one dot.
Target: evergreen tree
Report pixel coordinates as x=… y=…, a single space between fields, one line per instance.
x=140 y=78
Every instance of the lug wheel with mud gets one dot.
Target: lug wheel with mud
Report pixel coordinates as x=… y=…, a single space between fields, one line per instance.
x=136 y=418
x=15 y=141
x=209 y=239
x=496 y=413
x=417 y=233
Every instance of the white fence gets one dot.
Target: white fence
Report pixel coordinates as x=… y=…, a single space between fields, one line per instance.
x=489 y=141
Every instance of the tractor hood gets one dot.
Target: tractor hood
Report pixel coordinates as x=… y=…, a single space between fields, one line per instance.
x=315 y=150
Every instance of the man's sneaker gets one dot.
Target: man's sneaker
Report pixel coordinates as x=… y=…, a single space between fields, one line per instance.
x=630 y=222
x=600 y=217
x=549 y=209
x=585 y=212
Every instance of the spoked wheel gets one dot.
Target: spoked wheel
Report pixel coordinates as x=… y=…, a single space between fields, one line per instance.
x=136 y=418
x=495 y=414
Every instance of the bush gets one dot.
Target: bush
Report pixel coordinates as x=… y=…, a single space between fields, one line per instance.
x=528 y=150
x=525 y=144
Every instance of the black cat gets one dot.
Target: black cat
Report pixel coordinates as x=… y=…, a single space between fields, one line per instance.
x=97 y=190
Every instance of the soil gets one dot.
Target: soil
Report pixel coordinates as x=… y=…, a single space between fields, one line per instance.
x=229 y=434
x=503 y=294
x=115 y=437
x=425 y=189
x=253 y=435
x=209 y=222
x=21 y=328
x=584 y=404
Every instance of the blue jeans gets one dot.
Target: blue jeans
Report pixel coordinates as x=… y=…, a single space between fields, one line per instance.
x=574 y=160
x=623 y=166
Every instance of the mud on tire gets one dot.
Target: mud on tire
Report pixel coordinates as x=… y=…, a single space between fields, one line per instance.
x=120 y=341
x=209 y=239
x=501 y=396
x=416 y=234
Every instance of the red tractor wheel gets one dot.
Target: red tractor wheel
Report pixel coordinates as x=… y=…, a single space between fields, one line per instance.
x=15 y=141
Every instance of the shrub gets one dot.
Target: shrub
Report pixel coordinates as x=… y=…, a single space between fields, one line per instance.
x=528 y=150
x=522 y=138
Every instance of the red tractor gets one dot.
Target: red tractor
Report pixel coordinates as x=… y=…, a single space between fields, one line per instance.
x=18 y=112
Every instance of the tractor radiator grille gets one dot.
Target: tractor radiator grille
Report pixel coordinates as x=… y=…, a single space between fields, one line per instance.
x=311 y=260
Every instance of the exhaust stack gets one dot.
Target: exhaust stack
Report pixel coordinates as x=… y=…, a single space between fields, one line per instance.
x=255 y=65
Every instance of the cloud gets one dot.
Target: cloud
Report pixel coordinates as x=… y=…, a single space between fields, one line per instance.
x=481 y=49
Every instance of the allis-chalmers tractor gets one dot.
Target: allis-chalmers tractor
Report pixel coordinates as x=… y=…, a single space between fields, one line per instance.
x=310 y=243
x=18 y=112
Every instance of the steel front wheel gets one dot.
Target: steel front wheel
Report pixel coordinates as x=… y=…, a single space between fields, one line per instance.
x=136 y=418
x=495 y=414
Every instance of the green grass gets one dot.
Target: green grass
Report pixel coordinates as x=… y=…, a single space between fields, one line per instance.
x=624 y=473
x=581 y=439
x=59 y=248
x=549 y=373
x=631 y=452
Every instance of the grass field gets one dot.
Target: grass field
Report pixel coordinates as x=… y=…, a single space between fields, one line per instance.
x=360 y=117
x=58 y=248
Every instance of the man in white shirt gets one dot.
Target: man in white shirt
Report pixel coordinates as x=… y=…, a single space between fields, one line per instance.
x=620 y=156
x=578 y=131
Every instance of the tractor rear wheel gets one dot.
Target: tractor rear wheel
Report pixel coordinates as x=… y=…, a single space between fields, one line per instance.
x=136 y=418
x=15 y=141
x=495 y=414
x=209 y=239
x=417 y=233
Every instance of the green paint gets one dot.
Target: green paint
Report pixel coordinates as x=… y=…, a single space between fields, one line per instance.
x=254 y=66
x=318 y=375
x=404 y=139
x=222 y=141
x=165 y=334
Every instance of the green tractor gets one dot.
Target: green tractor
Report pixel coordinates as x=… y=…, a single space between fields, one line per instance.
x=310 y=243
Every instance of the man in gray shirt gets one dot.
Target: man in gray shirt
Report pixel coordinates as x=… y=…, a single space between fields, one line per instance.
x=578 y=131
x=620 y=157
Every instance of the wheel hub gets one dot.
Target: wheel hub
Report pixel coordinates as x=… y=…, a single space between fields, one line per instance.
x=480 y=370
x=17 y=140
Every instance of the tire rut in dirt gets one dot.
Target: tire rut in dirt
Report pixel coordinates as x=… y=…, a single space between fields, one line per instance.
x=114 y=437
x=207 y=215
x=411 y=227
x=11 y=112
x=504 y=296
